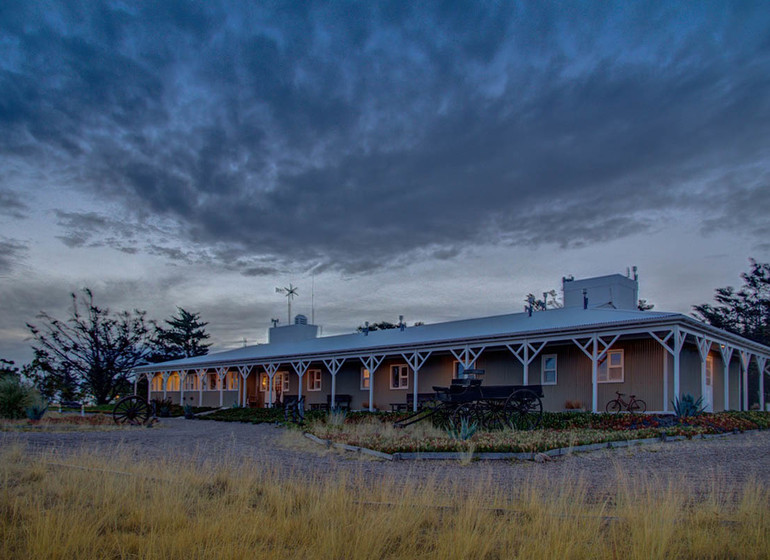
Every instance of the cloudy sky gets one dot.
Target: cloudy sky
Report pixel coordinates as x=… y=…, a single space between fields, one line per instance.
x=438 y=161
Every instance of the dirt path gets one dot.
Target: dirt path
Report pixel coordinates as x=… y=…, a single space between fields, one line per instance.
x=731 y=460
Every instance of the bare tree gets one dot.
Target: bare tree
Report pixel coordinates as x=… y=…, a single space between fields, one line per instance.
x=93 y=346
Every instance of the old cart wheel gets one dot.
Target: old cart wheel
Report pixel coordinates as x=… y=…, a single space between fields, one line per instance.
x=637 y=405
x=524 y=410
x=132 y=410
x=495 y=415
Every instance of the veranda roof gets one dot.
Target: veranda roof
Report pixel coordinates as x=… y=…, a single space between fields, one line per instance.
x=561 y=323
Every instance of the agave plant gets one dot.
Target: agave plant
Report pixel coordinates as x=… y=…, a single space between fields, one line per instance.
x=688 y=406
x=464 y=431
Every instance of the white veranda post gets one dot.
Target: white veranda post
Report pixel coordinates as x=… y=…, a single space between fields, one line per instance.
x=704 y=346
x=727 y=354
x=467 y=356
x=150 y=376
x=745 y=361
x=371 y=363
x=221 y=373
x=270 y=369
x=672 y=342
x=334 y=365
x=182 y=377
x=591 y=348
x=416 y=360
x=761 y=362
x=201 y=377
x=244 y=371
x=525 y=352
x=166 y=375
x=300 y=367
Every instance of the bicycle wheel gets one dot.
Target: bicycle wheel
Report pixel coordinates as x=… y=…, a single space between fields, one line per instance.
x=637 y=405
x=614 y=406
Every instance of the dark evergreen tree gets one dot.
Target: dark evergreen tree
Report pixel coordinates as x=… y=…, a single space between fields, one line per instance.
x=93 y=348
x=184 y=337
x=745 y=311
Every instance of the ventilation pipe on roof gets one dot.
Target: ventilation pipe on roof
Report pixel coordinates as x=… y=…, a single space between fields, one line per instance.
x=585 y=298
x=401 y=324
x=366 y=328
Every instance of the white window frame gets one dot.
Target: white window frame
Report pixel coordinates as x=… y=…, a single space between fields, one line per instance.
x=284 y=381
x=191 y=382
x=313 y=380
x=210 y=377
x=605 y=367
x=232 y=381
x=710 y=370
x=458 y=369
x=403 y=376
x=366 y=379
x=543 y=369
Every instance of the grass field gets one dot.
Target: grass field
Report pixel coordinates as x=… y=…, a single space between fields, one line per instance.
x=89 y=506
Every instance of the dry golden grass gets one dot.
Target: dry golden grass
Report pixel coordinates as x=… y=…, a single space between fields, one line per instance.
x=87 y=506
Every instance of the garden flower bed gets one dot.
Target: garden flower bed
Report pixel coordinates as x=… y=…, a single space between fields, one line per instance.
x=558 y=430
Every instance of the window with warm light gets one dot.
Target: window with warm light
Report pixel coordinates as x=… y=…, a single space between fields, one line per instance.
x=314 y=380
x=173 y=382
x=611 y=369
x=365 y=378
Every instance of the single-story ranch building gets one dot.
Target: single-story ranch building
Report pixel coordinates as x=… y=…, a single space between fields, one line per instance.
x=596 y=344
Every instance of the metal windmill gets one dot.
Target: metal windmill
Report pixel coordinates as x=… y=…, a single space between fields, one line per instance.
x=289 y=292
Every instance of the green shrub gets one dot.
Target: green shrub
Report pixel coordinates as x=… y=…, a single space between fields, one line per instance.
x=687 y=406
x=14 y=398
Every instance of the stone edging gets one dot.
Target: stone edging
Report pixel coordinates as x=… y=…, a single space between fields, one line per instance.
x=527 y=456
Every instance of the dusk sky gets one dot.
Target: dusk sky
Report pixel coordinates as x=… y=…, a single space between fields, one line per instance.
x=436 y=160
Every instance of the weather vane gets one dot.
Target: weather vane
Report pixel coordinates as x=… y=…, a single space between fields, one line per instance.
x=289 y=292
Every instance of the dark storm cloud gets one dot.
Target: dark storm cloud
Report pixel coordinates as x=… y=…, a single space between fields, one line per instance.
x=357 y=136
x=11 y=205
x=10 y=252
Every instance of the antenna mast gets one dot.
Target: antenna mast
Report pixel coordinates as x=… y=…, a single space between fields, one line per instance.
x=312 y=300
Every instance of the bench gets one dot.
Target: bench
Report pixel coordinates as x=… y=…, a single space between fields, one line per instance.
x=341 y=402
x=422 y=398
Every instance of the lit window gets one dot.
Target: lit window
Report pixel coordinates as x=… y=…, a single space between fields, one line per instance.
x=365 y=378
x=232 y=380
x=157 y=383
x=173 y=382
x=611 y=368
x=213 y=384
x=399 y=376
x=263 y=382
x=314 y=380
x=548 y=370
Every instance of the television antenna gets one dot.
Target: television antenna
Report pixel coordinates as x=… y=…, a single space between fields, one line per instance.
x=290 y=293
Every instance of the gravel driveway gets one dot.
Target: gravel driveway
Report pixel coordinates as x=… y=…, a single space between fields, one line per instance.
x=732 y=460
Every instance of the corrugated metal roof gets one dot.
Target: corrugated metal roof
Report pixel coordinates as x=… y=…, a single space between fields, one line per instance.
x=514 y=325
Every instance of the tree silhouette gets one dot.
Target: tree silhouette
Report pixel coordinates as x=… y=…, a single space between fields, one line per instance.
x=93 y=347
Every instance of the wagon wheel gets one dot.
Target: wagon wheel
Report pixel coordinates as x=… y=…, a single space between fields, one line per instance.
x=132 y=410
x=495 y=415
x=523 y=410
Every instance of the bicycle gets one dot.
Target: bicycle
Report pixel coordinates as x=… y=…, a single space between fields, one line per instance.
x=633 y=405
